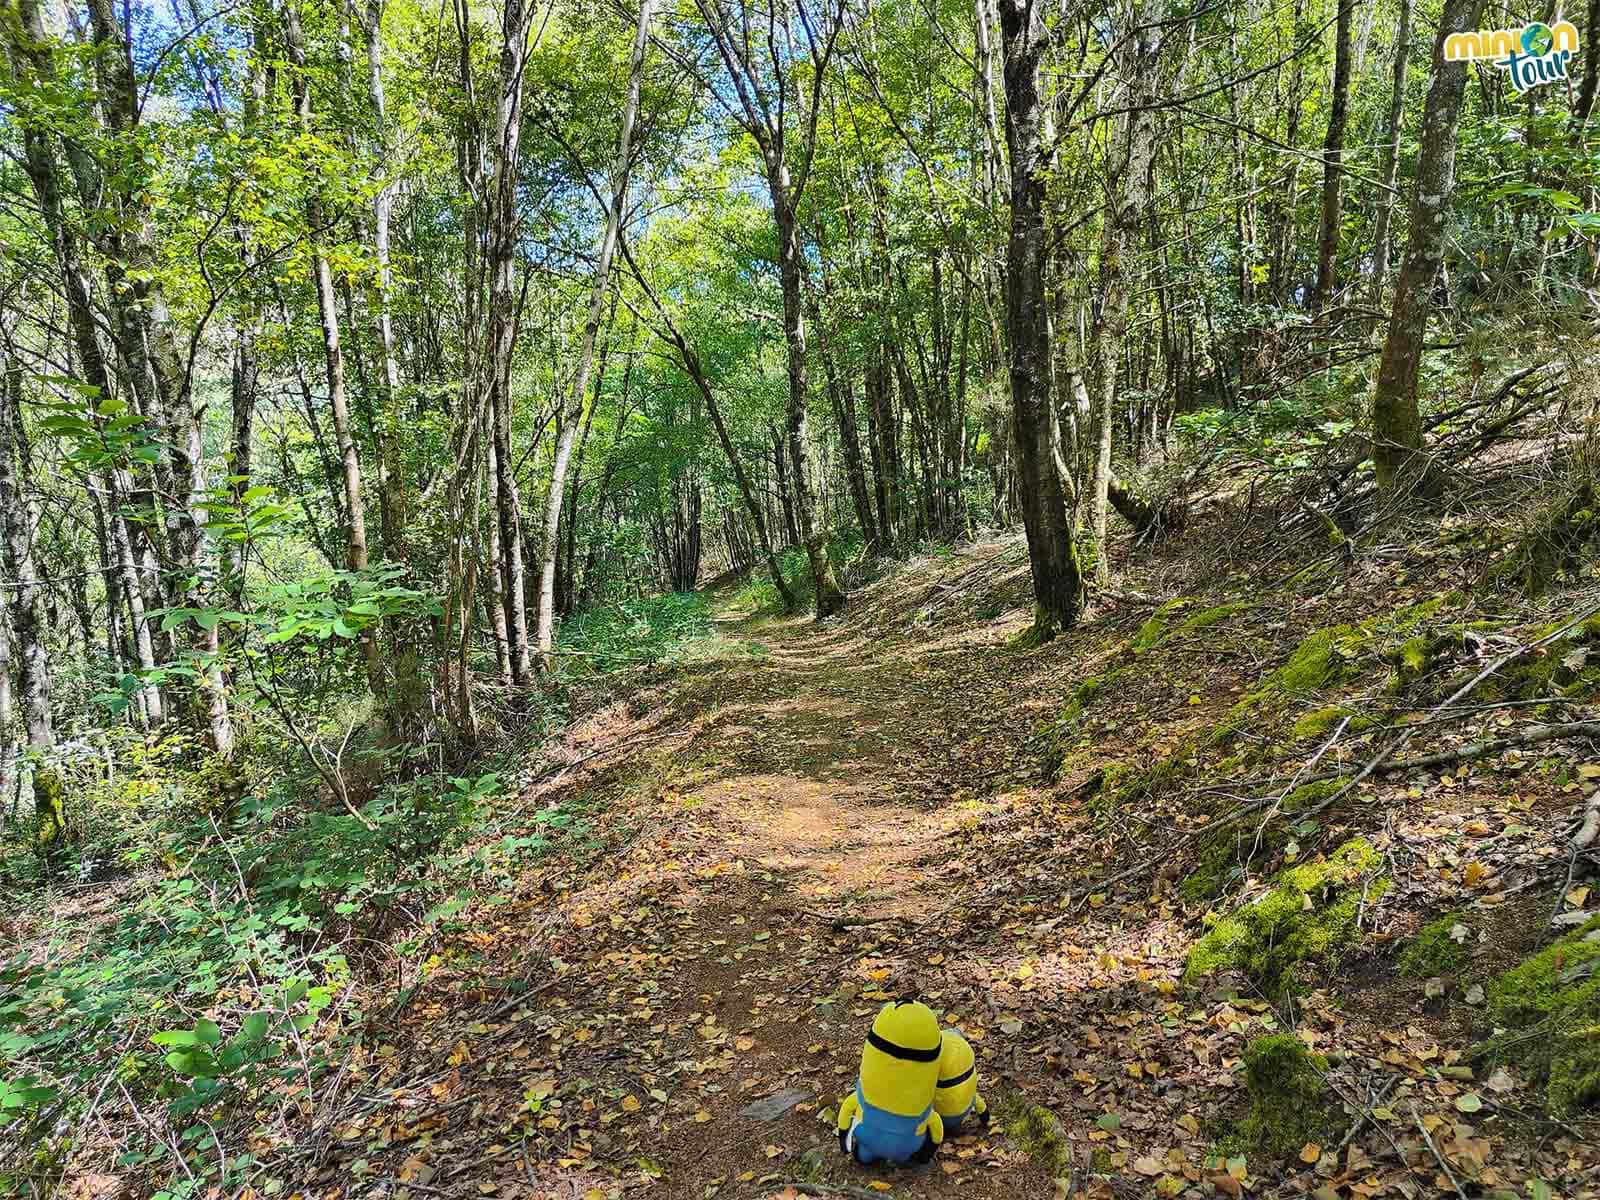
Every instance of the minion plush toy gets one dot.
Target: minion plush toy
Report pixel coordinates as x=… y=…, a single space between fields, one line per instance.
x=890 y=1117
x=957 y=1096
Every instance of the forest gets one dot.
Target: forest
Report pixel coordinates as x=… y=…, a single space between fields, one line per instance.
x=556 y=553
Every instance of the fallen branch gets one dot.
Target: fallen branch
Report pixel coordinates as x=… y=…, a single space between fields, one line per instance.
x=1439 y=1158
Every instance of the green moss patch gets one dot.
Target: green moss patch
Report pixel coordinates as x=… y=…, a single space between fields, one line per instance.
x=1038 y=1133
x=1290 y=1103
x=1325 y=658
x=1307 y=917
x=1163 y=622
x=1083 y=696
x=1434 y=951
x=1547 y=1009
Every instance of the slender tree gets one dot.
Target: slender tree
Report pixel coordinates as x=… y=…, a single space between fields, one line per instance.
x=1396 y=413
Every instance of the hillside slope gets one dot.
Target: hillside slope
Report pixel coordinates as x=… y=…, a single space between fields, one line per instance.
x=1035 y=841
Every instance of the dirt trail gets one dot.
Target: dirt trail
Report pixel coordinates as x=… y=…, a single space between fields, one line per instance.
x=779 y=885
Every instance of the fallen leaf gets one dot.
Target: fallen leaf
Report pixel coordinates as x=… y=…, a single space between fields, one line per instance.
x=1310 y=1152
x=1468 y=1103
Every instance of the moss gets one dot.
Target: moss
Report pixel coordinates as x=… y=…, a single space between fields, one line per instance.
x=1548 y=1011
x=1307 y=917
x=1309 y=795
x=50 y=809
x=1433 y=951
x=1323 y=659
x=1322 y=721
x=1290 y=1102
x=1161 y=623
x=1082 y=697
x=1155 y=629
x=1206 y=618
x=1038 y=1133
x=1222 y=858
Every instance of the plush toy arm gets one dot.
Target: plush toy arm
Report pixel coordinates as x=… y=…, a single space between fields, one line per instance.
x=935 y=1126
x=849 y=1109
x=980 y=1109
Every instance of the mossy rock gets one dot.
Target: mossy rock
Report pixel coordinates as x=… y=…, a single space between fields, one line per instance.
x=1433 y=951
x=1290 y=1102
x=1548 y=1009
x=1225 y=853
x=1308 y=917
x=1223 y=857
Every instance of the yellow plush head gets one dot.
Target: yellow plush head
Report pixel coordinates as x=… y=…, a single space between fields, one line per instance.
x=958 y=1076
x=900 y=1062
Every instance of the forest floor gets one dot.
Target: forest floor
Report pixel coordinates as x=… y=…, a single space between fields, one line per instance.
x=831 y=814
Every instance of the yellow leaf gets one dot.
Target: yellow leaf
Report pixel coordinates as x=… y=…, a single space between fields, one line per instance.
x=702 y=1117
x=745 y=1043
x=1577 y=896
x=594 y=1194
x=935 y=959
x=1310 y=1152
x=815 y=1048
x=1025 y=971
x=879 y=1185
x=630 y=1103
x=773 y=1151
x=1475 y=873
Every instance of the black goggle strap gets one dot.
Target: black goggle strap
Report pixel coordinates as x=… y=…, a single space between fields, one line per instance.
x=959 y=1079
x=903 y=1052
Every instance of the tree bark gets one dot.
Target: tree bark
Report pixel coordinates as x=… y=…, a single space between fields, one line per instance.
x=516 y=27
x=616 y=210
x=1052 y=555
x=1396 y=414
x=1128 y=186
x=1390 y=172
x=1332 y=163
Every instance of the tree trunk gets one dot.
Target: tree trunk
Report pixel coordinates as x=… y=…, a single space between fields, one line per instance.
x=391 y=482
x=1332 y=163
x=516 y=27
x=615 y=212
x=1391 y=154
x=1052 y=556
x=791 y=271
x=20 y=519
x=1128 y=186
x=333 y=352
x=1396 y=414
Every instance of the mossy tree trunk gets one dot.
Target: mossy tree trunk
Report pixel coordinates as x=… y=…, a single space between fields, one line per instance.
x=1396 y=414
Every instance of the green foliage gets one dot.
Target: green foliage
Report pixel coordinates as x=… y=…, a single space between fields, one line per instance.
x=1548 y=1007
x=1307 y=917
x=1290 y=1102
x=638 y=633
